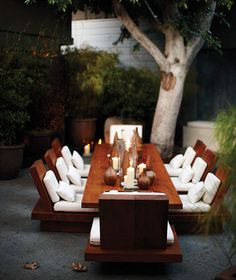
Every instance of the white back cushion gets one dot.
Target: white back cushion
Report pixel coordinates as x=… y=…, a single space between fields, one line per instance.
x=177 y=161
x=211 y=184
x=77 y=160
x=65 y=151
x=66 y=192
x=51 y=185
x=196 y=192
x=186 y=175
x=198 y=167
x=188 y=156
x=74 y=176
x=62 y=169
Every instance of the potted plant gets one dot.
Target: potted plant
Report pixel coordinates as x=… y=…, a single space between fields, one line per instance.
x=86 y=70
x=15 y=87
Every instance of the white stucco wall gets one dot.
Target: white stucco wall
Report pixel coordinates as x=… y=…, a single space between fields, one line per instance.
x=102 y=33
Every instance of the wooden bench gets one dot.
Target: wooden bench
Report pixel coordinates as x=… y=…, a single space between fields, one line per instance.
x=197 y=222
x=133 y=228
x=50 y=158
x=51 y=220
x=56 y=146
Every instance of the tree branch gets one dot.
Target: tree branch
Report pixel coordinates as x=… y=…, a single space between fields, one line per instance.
x=196 y=43
x=144 y=41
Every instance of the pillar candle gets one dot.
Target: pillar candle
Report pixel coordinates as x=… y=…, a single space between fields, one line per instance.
x=141 y=166
x=130 y=177
x=115 y=163
x=87 y=149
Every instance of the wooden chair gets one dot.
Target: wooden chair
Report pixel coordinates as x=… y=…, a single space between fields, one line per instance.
x=43 y=209
x=56 y=146
x=50 y=158
x=195 y=222
x=133 y=228
x=199 y=148
x=210 y=158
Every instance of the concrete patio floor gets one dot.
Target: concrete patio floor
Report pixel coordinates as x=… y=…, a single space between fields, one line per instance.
x=21 y=242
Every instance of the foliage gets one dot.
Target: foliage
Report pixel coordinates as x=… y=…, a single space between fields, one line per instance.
x=188 y=17
x=225 y=132
x=130 y=93
x=15 y=85
x=86 y=73
x=46 y=70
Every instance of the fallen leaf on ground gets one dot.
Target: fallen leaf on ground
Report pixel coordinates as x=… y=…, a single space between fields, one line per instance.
x=79 y=267
x=31 y=265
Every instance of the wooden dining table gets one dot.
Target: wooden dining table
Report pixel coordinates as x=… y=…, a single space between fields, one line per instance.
x=99 y=163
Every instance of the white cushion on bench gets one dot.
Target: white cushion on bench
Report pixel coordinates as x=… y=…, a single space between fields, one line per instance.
x=177 y=161
x=51 y=184
x=80 y=189
x=62 y=169
x=211 y=184
x=85 y=171
x=188 y=156
x=189 y=207
x=95 y=233
x=173 y=172
x=179 y=186
x=66 y=206
x=66 y=154
x=199 y=167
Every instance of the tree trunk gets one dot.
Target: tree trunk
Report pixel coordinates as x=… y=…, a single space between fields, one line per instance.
x=167 y=109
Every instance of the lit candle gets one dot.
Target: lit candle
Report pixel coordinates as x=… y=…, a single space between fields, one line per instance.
x=141 y=166
x=100 y=141
x=130 y=178
x=115 y=163
x=87 y=150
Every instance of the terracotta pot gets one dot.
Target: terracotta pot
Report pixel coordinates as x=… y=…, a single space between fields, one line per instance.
x=82 y=131
x=11 y=161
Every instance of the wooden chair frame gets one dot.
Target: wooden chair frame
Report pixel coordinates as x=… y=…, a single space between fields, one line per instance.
x=193 y=222
x=51 y=220
x=50 y=158
x=56 y=146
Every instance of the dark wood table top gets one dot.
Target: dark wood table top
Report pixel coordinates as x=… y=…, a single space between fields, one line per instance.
x=95 y=183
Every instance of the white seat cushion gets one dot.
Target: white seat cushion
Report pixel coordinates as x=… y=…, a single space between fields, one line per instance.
x=177 y=161
x=62 y=169
x=95 y=233
x=77 y=160
x=66 y=206
x=189 y=207
x=74 y=176
x=66 y=192
x=211 y=185
x=51 y=185
x=79 y=189
x=196 y=192
x=85 y=171
x=179 y=186
x=198 y=167
x=188 y=156
x=66 y=154
x=186 y=175
x=173 y=172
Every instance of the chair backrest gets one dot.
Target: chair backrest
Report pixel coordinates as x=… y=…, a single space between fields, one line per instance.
x=50 y=158
x=210 y=158
x=56 y=146
x=199 y=148
x=38 y=172
x=133 y=221
x=222 y=174
x=124 y=131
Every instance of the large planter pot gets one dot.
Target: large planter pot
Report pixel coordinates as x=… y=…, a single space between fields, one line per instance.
x=11 y=161
x=82 y=131
x=37 y=142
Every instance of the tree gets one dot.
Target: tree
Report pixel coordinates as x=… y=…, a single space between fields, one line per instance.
x=185 y=25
